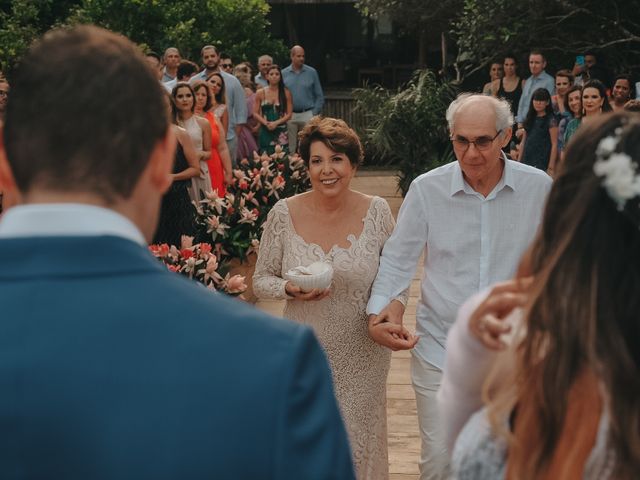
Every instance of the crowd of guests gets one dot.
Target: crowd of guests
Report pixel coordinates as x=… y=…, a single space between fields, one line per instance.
x=525 y=359
x=229 y=113
x=549 y=109
x=259 y=110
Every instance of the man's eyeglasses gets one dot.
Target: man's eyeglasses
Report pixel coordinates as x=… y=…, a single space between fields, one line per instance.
x=481 y=143
x=226 y=66
x=4 y=93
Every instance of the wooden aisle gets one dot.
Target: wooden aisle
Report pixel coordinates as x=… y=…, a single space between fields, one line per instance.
x=404 y=437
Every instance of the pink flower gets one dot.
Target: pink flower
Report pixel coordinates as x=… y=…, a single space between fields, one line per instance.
x=250 y=197
x=278 y=182
x=190 y=266
x=212 y=265
x=173 y=268
x=235 y=284
x=205 y=248
x=173 y=252
x=186 y=253
x=186 y=242
x=215 y=226
x=255 y=245
x=243 y=185
x=247 y=216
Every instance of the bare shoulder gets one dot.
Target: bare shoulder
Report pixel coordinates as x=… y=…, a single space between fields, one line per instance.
x=363 y=203
x=298 y=203
x=203 y=122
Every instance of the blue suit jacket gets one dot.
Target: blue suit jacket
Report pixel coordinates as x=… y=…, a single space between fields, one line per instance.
x=111 y=367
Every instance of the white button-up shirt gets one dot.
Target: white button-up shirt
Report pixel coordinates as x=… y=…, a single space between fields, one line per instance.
x=470 y=241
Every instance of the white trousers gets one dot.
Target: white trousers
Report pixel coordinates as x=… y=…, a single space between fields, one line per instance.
x=434 y=458
x=297 y=123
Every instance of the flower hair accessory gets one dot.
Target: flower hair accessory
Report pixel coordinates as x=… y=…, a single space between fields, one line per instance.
x=618 y=171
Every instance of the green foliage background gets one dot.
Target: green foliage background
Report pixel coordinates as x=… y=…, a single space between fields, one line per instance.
x=240 y=28
x=408 y=128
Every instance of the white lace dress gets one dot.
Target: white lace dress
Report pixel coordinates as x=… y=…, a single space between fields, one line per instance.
x=359 y=365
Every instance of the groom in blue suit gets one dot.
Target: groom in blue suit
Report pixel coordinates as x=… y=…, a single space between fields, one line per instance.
x=111 y=367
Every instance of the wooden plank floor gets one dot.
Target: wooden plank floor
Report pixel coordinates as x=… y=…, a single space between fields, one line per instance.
x=404 y=437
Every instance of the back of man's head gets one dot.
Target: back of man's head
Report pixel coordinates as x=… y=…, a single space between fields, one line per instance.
x=84 y=115
x=186 y=70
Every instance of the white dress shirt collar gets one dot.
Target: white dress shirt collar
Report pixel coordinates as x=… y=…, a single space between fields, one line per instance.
x=458 y=183
x=67 y=219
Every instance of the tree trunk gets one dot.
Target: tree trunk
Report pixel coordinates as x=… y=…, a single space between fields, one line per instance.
x=291 y=27
x=422 y=49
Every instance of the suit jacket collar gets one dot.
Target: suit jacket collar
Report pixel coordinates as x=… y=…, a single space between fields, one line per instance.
x=33 y=257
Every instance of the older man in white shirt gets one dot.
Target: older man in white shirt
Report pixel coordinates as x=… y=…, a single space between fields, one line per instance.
x=473 y=219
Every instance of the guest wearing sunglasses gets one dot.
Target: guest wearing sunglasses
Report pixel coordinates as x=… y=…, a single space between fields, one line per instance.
x=225 y=63
x=473 y=219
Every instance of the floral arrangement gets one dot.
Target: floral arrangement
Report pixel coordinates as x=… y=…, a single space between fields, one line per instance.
x=618 y=171
x=198 y=262
x=234 y=222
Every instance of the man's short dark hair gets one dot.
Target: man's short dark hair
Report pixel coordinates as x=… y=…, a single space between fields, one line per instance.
x=153 y=54
x=84 y=115
x=186 y=69
x=224 y=56
x=629 y=79
x=536 y=51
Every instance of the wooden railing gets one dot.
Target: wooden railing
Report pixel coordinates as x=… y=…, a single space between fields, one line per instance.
x=342 y=105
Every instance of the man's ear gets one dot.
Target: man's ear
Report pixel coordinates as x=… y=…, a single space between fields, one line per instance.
x=161 y=161
x=506 y=136
x=7 y=180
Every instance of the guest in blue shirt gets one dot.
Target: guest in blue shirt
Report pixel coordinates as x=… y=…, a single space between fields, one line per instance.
x=304 y=84
x=171 y=61
x=538 y=79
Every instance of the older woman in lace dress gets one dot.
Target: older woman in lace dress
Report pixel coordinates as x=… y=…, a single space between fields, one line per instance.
x=334 y=224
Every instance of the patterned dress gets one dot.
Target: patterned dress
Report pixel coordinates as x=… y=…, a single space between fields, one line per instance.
x=359 y=365
x=268 y=139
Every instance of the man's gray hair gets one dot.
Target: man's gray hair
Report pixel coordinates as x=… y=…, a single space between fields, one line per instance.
x=265 y=57
x=166 y=52
x=502 y=109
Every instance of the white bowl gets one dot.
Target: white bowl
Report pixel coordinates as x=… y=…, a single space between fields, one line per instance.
x=317 y=275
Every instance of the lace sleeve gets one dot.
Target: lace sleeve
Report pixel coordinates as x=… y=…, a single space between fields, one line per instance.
x=384 y=218
x=267 y=279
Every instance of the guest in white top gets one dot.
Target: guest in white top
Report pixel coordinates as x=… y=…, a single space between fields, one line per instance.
x=473 y=219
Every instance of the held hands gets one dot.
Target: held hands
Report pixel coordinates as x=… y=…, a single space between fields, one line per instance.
x=487 y=323
x=386 y=328
x=315 y=294
x=271 y=126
